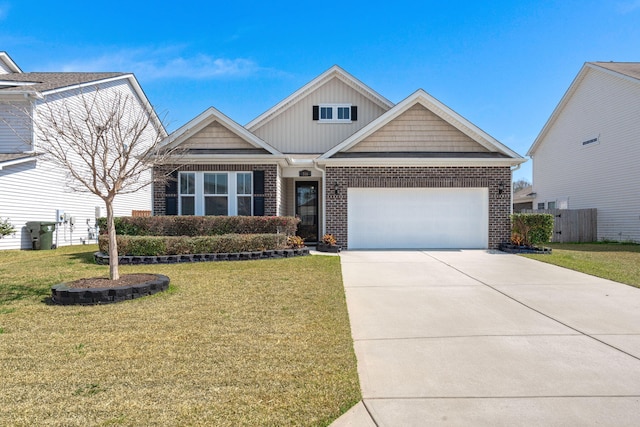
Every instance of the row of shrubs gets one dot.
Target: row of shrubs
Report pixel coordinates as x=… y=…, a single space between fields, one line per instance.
x=201 y=225
x=176 y=245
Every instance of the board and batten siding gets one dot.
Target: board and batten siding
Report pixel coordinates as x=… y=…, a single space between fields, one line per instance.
x=418 y=129
x=15 y=126
x=294 y=131
x=602 y=175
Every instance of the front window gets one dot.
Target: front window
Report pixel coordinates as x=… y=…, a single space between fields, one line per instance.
x=216 y=193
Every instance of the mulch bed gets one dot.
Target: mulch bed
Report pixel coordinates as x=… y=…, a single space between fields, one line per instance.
x=104 y=282
x=100 y=290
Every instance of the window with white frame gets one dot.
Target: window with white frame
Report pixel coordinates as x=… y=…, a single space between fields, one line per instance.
x=335 y=113
x=187 y=193
x=216 y=193
x=244 y=190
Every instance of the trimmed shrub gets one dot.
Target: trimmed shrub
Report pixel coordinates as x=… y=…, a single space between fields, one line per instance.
x=531 y=229
x=201 y=225
x=180 y=245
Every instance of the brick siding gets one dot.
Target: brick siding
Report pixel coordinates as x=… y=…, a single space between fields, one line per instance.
x=270 y=182
x=420 y=177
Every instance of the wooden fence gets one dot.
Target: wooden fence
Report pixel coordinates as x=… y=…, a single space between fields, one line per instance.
x=572 y=225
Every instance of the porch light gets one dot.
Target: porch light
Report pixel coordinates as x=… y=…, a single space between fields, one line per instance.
x=501 y=187
x=336 y=187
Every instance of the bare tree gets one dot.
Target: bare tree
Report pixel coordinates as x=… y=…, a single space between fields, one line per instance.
x=520 y=184
x=107 y=143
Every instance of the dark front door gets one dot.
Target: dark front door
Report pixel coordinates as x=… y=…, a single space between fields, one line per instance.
x=307 y=210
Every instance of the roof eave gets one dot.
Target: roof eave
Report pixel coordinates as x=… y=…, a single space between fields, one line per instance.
x=14 y=162
x=425 y=162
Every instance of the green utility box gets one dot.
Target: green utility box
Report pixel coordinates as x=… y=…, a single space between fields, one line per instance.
x=41 y=234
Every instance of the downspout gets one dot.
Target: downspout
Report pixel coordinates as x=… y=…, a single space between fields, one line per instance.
x=324 y=197
x=513 y=169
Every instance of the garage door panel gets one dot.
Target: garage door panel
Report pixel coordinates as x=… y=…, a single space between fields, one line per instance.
x=417 y=218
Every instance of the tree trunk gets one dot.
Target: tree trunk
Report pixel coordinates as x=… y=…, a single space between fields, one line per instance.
x=114 y=273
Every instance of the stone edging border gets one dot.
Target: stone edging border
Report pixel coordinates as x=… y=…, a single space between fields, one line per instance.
x=63 y=295
x=103 y=259
x=513 y=249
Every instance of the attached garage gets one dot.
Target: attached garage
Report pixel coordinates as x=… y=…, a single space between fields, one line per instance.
x=415 y=218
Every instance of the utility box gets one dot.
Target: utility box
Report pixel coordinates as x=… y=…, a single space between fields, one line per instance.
x=41 y=234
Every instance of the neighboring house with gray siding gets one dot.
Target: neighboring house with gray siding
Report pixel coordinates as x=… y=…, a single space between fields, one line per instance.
x=349 y=162
x=587 y=154
x=30 y=189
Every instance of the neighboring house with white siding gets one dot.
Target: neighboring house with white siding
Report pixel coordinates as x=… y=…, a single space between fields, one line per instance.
x=587 y=154
x=30 y=188
x=349 y=162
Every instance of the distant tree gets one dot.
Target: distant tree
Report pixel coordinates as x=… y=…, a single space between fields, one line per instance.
x=520 y=184
x=106 y=142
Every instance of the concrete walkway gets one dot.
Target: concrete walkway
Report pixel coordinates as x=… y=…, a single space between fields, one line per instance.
x=481 y=338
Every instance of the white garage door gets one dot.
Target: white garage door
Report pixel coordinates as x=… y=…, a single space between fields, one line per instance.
x=412 y=218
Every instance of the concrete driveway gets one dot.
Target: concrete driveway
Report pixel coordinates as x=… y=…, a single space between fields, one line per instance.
x=482 y=338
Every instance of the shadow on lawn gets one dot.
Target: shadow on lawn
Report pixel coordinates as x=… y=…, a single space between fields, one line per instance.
x=84 y=257
x=9 y=293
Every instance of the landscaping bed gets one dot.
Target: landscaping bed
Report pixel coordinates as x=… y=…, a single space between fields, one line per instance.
x=103 y=259
x=100 y=290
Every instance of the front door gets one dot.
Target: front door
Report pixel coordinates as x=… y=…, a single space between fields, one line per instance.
x=307 y=210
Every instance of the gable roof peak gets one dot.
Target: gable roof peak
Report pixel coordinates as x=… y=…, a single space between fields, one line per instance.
x=334 y=71
x=423 y=98
x=208 y=116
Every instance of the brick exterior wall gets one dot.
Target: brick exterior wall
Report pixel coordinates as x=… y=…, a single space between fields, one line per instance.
x=270 y=183
x=420 y=177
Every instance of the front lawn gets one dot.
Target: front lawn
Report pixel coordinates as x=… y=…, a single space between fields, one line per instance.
x=614 y=261
x=231 y=343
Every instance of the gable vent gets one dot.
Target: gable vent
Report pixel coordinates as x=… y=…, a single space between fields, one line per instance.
x=591 y=141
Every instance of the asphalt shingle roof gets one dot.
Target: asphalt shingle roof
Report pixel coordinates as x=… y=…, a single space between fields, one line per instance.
x=631 y=69
x=49 y=81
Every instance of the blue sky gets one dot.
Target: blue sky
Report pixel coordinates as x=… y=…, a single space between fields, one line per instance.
x=503 y=65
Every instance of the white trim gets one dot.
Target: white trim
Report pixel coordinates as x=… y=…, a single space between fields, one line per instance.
x=17 y=161
x=423 y=98
x=334 y=113
x=333 y=72
x=6 y=59
x=426 y=162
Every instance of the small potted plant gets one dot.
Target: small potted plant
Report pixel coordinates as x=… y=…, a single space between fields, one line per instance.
x=328 y=244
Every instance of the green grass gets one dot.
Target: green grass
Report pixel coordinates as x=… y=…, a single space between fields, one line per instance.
x=613 y=261
x=231 y=343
